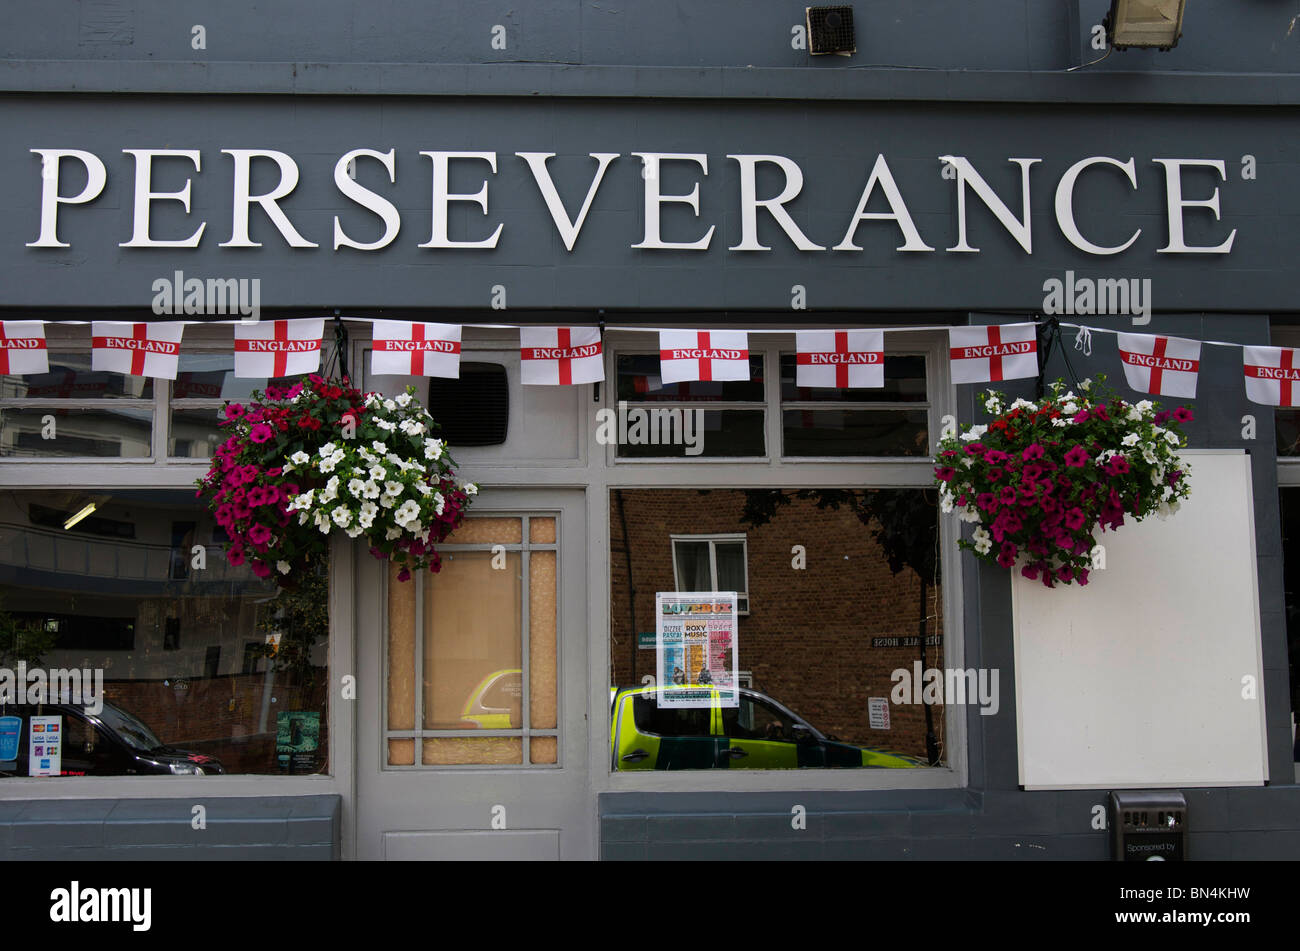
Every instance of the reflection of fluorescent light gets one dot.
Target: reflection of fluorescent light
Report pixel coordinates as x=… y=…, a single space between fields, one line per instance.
x=80 y=515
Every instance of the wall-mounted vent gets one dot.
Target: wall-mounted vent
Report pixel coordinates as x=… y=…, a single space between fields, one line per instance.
x=474 y=410
x=830 y=30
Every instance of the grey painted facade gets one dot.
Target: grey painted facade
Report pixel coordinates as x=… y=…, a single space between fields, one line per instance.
x=986 y=81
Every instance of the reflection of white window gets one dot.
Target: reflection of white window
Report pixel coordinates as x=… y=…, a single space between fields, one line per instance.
x=712 y=563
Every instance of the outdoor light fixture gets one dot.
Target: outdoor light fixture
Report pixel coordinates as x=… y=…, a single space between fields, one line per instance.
x=80 y=515
x=1150 y=24
x=830 y=30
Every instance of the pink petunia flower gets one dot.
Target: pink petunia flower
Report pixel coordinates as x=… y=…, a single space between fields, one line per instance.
x=1077 y=457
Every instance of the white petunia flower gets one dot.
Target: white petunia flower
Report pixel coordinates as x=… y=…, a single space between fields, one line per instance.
x=408 y=514
x=282 y=567
x=393 y=488
x=370 y=490
x=392 y=533
x=975 y=432
x=386 y=425
x=403 y=401
x=300 y=458
x=969 y=515
x=326 y=450
x=412 y=427
x=354 y=531
x=356 y=488
x=342 y=516
x=390 y=405
x=1172 y=439
x=379 y=447
x=378 y=473
x=1021 y=403
x=433 y=449
x=993 y=405
x=1130 y=440
x=1069 y=409
x=366 y=514
x=439 y=503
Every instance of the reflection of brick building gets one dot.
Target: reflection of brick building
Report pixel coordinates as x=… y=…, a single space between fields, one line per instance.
x=808 y=635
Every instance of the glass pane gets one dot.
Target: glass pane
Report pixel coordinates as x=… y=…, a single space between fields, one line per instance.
x=856 y=432
x=1287 y=424
x=731 y=566
x=694 y=573
x=541 y=531
x=212 y=376
x=699 y=433
x=822 y=647
x=100 y=433
x=205 y=668
x=473 y=668
x=70 y=377
x=487 y=531
x=542 y=749
x=194 y=433
x=401 y=653
x=542 y=610
x=904 y=383
x=472 y=751
x=638 y=381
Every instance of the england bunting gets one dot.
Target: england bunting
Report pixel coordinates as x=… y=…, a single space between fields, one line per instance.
x=278 y=348
x=1162 y=366
x=1271 y=375
x=687 y=355
x=22 y=348
x=844 y=359
x=990 y=354
x=560 y=355
x=136 y=349
x=406 y=349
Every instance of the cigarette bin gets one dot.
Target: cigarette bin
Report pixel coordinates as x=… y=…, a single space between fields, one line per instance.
x=1149 y=825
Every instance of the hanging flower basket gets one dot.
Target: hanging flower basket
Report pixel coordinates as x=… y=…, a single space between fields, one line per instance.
x=318 y=457
x=1041 y=478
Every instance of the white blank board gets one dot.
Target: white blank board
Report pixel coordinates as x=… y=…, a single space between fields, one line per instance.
x=1136 y=679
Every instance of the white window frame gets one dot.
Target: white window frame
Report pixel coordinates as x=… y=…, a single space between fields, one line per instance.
x=713 y=562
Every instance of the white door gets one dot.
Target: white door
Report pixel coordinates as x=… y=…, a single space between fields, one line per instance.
x=472 y=735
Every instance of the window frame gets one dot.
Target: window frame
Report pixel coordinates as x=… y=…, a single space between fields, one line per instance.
x=725 y=537
x=903 y=472
x=158 y=471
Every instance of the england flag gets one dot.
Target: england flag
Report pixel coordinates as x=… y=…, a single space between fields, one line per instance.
x=406 y=349
x=990 y=354
x=278 y=348
x=686 y=355
x=1271 y=375
x=844 y=359
x=560 y=356
x=136 y=349
x=1163 y=366
x=22 y=347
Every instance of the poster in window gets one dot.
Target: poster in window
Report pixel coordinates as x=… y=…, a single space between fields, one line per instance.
x=297 y=741
x=695 y=638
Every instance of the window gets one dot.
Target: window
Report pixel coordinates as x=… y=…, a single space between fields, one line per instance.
x=73 y=412
x=472 y=650
x=890 y=421
x=688 y=420
x=166 y=652
x=717 y=563
x=819 y=650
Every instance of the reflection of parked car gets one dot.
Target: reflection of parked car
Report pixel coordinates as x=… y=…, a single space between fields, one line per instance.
x=496 y=701
x=109 y=743
x=760 y=733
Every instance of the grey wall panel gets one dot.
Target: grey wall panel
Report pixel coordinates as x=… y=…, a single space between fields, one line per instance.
x=260 y=828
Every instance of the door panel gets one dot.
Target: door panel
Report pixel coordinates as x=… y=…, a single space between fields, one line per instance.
x=472 y=731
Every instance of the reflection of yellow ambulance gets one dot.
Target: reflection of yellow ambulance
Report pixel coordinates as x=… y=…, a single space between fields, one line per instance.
x=497 y=702
x=759 y=733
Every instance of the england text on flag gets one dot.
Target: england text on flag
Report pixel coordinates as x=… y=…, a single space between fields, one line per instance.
x=22 y=348
x=1163 y=366
x=844 y=359
x=278 y=348
x=406 y=349
x=686 y=355
x=1272 y=375
x=560 y=355
x=136 y=349
x=990 y=354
